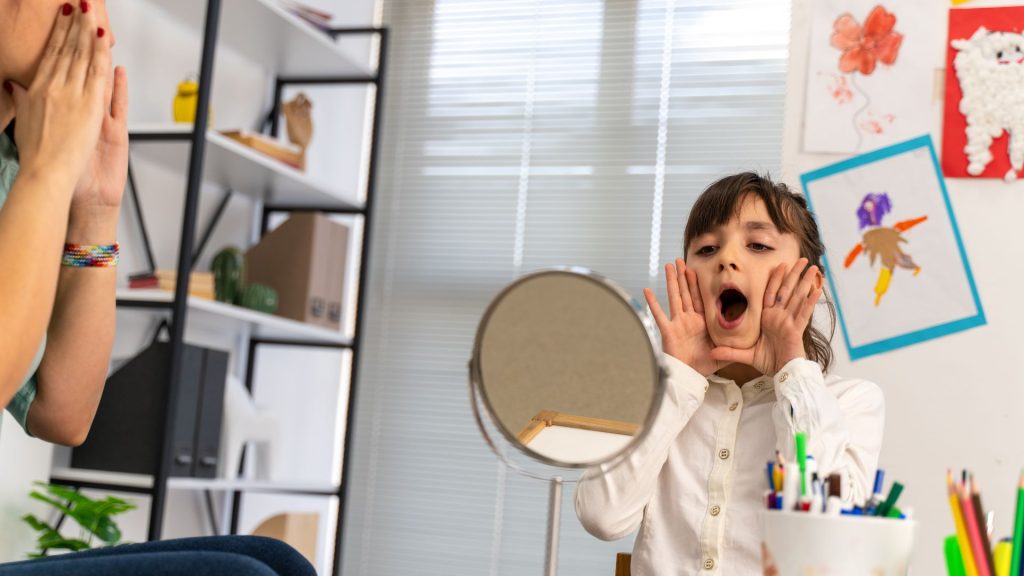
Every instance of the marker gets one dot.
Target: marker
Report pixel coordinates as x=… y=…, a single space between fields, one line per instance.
x=791 y=488
x=801 y=459
x=894 y=495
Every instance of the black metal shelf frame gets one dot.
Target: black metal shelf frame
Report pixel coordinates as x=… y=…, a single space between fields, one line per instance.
x=189 y=252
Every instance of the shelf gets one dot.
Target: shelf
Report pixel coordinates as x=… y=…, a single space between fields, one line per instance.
x=268 y=34
x=229 y=164
x=141 y=483
x=218 y=315
x=243 y=485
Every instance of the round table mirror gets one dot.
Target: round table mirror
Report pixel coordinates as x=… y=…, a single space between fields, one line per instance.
x=567 y=367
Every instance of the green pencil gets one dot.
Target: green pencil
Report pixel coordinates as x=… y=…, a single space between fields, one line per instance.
x=1018 y=530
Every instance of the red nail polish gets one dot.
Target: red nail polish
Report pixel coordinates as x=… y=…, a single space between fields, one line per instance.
x=101 y=32
x=8 y=87
x=85 y=7
x=67 y=9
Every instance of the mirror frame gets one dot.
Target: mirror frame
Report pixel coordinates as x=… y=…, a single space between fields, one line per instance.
x=477 y=390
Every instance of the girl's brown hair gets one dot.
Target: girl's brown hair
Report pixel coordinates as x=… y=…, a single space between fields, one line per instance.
x=722 y=200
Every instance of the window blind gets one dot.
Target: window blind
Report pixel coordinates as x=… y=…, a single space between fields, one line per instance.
x=520 y=134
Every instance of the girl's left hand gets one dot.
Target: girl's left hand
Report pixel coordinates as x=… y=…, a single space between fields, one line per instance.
x=789 y=301
x=102 y=184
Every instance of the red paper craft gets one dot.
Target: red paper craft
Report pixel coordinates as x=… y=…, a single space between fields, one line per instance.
x=963 y=23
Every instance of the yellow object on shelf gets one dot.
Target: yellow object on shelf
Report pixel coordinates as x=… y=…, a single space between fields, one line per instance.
x=186 y=100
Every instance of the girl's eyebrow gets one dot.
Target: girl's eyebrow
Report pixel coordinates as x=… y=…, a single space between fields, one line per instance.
x=758 y=225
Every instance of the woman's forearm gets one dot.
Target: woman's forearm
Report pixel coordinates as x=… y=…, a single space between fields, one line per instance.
x=79 y=341
x=33 y=227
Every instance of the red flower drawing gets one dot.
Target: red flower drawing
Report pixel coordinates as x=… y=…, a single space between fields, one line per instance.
x=864 y=46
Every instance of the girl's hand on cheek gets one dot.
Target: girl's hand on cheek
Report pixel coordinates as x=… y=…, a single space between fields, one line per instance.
x=789 y=301
x=684 y=334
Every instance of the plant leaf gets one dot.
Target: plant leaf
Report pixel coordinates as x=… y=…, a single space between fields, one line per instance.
x=58 y=542
x=64 y=493
x=35 y=523
x=58 y=505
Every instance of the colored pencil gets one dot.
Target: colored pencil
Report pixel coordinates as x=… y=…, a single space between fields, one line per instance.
x=979 y=512
x=961 y=529
x=973 y=532
x=1018 y=531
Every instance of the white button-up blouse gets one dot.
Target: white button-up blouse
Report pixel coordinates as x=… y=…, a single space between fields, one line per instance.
x=695 y=484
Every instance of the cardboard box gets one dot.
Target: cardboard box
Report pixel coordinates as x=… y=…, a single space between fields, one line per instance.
x=304 y=260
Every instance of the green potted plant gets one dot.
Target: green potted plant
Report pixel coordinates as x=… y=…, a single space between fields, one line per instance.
x=94 y=517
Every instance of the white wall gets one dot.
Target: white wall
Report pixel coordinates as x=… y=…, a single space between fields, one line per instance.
x=957 y=401
x=158 y=53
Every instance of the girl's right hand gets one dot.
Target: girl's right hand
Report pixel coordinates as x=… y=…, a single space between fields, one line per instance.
x=59 y=116
x=684 y=335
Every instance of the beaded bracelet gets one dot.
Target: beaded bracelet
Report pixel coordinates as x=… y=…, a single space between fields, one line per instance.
x=86 y=256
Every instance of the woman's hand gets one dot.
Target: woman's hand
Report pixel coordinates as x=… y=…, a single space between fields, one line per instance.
x=59 y=117
x=101 y=187
x=102 y=184
x=789 y=301
x=684 y=335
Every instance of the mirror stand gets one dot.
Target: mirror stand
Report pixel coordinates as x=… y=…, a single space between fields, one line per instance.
x=554 y=525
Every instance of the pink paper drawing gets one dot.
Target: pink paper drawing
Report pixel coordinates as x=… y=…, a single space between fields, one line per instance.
x=870 y=74
x=862 y=48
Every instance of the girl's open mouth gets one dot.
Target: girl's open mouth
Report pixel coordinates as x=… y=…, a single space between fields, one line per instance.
x=732 y=305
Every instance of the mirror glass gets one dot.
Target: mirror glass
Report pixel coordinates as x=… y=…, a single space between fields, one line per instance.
x=567 y=367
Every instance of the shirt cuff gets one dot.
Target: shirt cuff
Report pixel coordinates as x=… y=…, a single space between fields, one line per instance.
x=685 y=378
x=794 y=371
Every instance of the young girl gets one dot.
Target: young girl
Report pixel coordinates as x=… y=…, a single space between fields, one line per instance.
x=746 y=371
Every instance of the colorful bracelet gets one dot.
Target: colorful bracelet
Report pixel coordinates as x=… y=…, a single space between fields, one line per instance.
x=86 y=256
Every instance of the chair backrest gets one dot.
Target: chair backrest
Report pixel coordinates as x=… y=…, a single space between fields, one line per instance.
x=622 y=561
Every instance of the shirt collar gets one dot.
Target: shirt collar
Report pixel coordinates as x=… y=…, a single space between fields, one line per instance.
x=766 y=382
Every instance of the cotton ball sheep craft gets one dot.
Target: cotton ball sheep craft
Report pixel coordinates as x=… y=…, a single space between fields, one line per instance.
x=990 y=68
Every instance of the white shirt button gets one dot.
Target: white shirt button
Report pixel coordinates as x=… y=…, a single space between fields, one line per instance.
x=784 y=377
x=709 y=564
x=716 y=510
x=723 y=453
x=758 y=385
x=734 y=406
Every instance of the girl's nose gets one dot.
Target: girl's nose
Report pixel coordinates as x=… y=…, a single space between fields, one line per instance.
x=727 y=258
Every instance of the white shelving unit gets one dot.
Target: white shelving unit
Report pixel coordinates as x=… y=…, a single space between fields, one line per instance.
x=221 y=316
x=232 y=165
x=293 y=52
x=265 y=32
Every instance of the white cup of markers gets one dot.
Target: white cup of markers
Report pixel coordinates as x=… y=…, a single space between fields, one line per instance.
x=796 y=487
x=807 y=528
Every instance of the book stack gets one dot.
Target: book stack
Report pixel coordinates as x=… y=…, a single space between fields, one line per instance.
x=200 y=283
x=318 y=18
